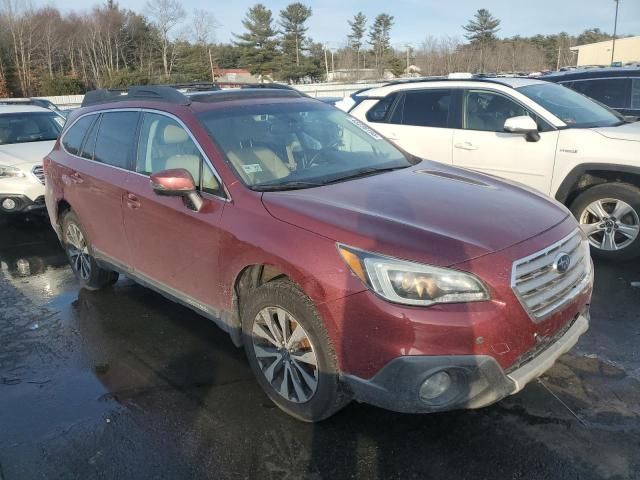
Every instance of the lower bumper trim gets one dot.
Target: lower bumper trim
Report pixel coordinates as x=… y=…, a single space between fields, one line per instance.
x=480 y=379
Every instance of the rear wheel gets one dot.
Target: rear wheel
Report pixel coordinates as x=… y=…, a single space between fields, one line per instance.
x=78 y=249
x=290 y=353
x=609 y=214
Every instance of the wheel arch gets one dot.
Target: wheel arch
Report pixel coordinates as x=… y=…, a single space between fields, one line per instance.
x=588 y=175
x=247 y=279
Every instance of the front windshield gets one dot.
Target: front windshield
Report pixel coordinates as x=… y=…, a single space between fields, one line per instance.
x=26 y=127
x=298 y=144
x=571 y=107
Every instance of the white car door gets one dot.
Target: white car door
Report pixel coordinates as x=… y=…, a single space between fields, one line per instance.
x=483 y=145
x=419 y=122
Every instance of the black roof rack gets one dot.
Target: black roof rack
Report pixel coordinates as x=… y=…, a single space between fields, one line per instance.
x=178 y=93
x=161 y=93
x=243 y=93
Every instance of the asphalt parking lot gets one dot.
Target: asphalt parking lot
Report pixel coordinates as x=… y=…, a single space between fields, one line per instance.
x=125 y=384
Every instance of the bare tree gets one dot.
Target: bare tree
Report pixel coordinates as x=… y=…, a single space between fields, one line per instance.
x=165 y=15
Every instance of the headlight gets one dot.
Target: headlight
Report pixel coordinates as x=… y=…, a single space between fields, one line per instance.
x=401 y=281
x=6 y=172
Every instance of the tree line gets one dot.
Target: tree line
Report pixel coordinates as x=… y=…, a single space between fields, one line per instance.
x=46 y=52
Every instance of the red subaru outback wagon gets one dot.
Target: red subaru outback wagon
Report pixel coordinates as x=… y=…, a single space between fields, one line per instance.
x=347 y=268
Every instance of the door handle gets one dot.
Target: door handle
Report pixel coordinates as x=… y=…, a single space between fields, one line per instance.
x=76 y=177
x=466 y=146
x=133 y=202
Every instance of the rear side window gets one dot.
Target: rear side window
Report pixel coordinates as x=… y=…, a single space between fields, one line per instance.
x=635 y=93
x=610 y=91
x=72 y=140
x=426 y=108
x=379 y=111
x=116 y=138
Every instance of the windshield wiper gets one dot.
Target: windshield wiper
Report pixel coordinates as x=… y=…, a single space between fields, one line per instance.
x=292 y=185
x=365 y=172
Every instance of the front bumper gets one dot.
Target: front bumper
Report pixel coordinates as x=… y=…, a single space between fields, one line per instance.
x=23 y=204
x=478 y=379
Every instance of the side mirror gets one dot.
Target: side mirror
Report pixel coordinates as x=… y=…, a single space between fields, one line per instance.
x=523 y=125
x=177 y=182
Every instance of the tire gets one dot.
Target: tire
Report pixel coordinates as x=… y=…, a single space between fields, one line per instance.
x=286 y=305
x=614 y=236
x=78 y=249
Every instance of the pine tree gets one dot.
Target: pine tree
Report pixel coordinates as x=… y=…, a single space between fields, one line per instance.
x=380 y=38
x=258 y=44
x=481 y=32
x=292 y=21
x=358 y=26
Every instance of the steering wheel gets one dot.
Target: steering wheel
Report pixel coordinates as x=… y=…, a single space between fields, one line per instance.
x=331 y=146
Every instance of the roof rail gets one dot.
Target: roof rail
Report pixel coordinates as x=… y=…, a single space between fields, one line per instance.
x=161 y=93
x=177 y=93
x=473 y=78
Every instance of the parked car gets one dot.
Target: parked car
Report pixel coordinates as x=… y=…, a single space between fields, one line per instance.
x=618 y=88
x=38 y=102
x=27 y=134
x=347 y=268
x=534 y=132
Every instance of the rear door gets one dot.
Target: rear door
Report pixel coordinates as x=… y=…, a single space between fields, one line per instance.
x=483 y=145
x=174 y=247
x=420 y=121
x=96 y=174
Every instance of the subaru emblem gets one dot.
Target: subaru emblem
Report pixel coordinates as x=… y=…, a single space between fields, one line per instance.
x=562 y=263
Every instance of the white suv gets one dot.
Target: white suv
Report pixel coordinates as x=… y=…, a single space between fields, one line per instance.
x=537 y=133
x=27 y=134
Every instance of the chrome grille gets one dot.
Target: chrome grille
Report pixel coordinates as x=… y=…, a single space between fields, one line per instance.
x=539 y=285
x=38 y=172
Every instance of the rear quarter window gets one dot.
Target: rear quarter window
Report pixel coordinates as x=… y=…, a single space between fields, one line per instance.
x=72 y=139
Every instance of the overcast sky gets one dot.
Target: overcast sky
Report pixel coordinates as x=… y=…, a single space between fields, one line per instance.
x=415 y=19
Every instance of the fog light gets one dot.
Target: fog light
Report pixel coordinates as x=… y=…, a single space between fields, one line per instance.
x=8 y=204
x=435 y=386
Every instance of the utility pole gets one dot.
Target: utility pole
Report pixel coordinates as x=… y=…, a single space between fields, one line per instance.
x=326 y=62
x=615 y=31
x=408 y=47
x=333 y=66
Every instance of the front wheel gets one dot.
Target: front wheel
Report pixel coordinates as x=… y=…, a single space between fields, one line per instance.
x=290 y=352
x=609 y=214
x=76 y=245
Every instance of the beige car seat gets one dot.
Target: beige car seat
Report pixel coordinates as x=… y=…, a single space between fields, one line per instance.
x=186 y=155
x=257 y=164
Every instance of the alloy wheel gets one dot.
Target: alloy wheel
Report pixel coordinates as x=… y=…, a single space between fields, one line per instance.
x=78 y=251
x=285 y=354
x=610 y=224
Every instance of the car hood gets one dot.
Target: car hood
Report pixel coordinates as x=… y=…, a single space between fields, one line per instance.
x=627 y=131
x=24 y=153
x=429 y=212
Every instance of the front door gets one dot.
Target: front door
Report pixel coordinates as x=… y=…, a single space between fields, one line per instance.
x=174 y=247
x=483 y=145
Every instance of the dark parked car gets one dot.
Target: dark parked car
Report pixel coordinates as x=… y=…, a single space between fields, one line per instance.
x=347 y=268
x=616 y=87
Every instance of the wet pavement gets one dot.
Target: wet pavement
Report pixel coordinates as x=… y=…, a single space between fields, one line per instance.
x=125 y=384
